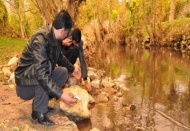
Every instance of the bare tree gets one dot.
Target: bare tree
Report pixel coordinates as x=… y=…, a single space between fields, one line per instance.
x=72 y=7
x=17 y=7
x=172 y=10
x=46 y=8
x=49 y=8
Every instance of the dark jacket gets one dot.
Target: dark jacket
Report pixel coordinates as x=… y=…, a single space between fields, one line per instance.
x=38 y=59
x=77 y=52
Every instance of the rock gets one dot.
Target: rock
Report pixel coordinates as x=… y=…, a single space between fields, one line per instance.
x=95 y=83
x=110 y=91
x=12 y=78
x=79 y=109
x=121 y=78
x=125 y=89
x=92 y=69
x=132 y=107
x=103 y=97
x=119 y=94
x=13 y=63
x=11 y=85
x=6 y=71
x=94 y=129
x=67 y=126
x=106 y=83
x=115 y=98
x=72 y=81
x=92 y=75
x=101 y=73
x=13 y=60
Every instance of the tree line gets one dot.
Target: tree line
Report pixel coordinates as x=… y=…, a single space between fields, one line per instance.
x=19 y=18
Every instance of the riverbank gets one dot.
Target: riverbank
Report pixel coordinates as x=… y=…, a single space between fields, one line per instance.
x=174 y=34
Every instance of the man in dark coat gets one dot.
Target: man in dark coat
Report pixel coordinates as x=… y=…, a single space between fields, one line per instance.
x=38 y=76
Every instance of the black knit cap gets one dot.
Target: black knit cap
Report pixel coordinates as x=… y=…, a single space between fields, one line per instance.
x=76 y=35
x=62 y=20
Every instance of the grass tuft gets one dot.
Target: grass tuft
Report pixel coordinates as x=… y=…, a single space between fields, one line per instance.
x=10 y=47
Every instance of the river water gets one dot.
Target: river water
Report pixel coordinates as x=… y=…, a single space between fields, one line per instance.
x=159 y=83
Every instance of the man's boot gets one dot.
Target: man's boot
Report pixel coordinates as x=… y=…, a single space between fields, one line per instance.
x=41 y=118
x=51 y=110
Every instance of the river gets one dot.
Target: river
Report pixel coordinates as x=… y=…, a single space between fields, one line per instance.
x=159 y=83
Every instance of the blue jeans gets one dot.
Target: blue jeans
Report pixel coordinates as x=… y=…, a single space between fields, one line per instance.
x=41 y=98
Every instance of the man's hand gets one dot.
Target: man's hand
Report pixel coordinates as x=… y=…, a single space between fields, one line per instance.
x=68 y=98
x=67 y=42
x=77 y=73
x=88 y=86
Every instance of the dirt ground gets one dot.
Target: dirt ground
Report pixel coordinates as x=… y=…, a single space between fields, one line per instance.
x=15 y=114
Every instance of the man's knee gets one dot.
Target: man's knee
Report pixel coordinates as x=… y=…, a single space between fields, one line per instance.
x=63 y=72
x=60 y=76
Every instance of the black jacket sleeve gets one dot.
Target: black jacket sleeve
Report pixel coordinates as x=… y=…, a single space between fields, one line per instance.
x=42 y=68
x=82 y=61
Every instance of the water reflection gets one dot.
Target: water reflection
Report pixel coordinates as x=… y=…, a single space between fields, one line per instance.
x=159 y=80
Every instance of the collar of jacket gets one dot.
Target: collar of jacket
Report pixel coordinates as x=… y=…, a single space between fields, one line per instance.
x=51 y=36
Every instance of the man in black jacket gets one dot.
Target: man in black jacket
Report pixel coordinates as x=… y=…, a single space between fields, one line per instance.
x=73 y=50
x=37 y=75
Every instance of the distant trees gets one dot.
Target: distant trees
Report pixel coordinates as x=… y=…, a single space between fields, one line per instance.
x=129 y=17
x=27 y=15
x=172 y=10
x=49 y=8
x=3 y=15
x=22 y=17
x=17 y=7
